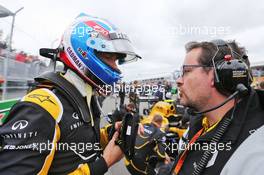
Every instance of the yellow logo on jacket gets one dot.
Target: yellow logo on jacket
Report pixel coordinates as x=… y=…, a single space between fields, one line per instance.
x=47 y=100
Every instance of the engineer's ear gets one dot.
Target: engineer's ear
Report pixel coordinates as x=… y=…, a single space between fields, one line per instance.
x=212 y=78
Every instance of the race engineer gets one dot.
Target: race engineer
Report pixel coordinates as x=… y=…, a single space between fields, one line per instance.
x=225 y=110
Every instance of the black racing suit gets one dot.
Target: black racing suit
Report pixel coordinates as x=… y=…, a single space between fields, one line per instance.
x=147 y=146
x=44 y=134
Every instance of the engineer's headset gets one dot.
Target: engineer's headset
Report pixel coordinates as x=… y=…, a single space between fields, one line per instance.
x=232 y=76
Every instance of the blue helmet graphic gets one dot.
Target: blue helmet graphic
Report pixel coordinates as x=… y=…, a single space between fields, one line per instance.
x=85 y=38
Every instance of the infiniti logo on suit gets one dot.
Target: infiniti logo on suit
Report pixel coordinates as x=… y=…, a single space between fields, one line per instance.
x=21 y=124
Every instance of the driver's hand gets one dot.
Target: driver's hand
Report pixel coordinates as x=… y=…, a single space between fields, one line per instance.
x=118 y=125
x=112 y=152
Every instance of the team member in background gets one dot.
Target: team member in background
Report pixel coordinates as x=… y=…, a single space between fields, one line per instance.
x=148 y=146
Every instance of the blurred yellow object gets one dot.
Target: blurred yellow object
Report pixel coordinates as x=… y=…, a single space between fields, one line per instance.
x=161 y=108
x=167 y=110
x=179 y=131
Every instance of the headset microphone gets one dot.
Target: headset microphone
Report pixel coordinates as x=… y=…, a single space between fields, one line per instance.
x=241 y=90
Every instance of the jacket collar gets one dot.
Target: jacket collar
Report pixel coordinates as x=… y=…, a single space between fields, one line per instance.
x=77 y=81
x=84 y=88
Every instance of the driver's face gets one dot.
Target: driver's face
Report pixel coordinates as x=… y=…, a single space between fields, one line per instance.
x=110 y=59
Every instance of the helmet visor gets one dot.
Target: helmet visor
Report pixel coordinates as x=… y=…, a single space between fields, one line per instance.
x=125 y=47
x=115 y=45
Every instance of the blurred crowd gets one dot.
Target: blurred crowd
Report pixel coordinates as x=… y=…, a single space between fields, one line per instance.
x=18 y=56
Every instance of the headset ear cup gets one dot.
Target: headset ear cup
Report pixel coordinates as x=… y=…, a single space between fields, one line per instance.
x=229 y=70
x=230 y=74
x=219 y=82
